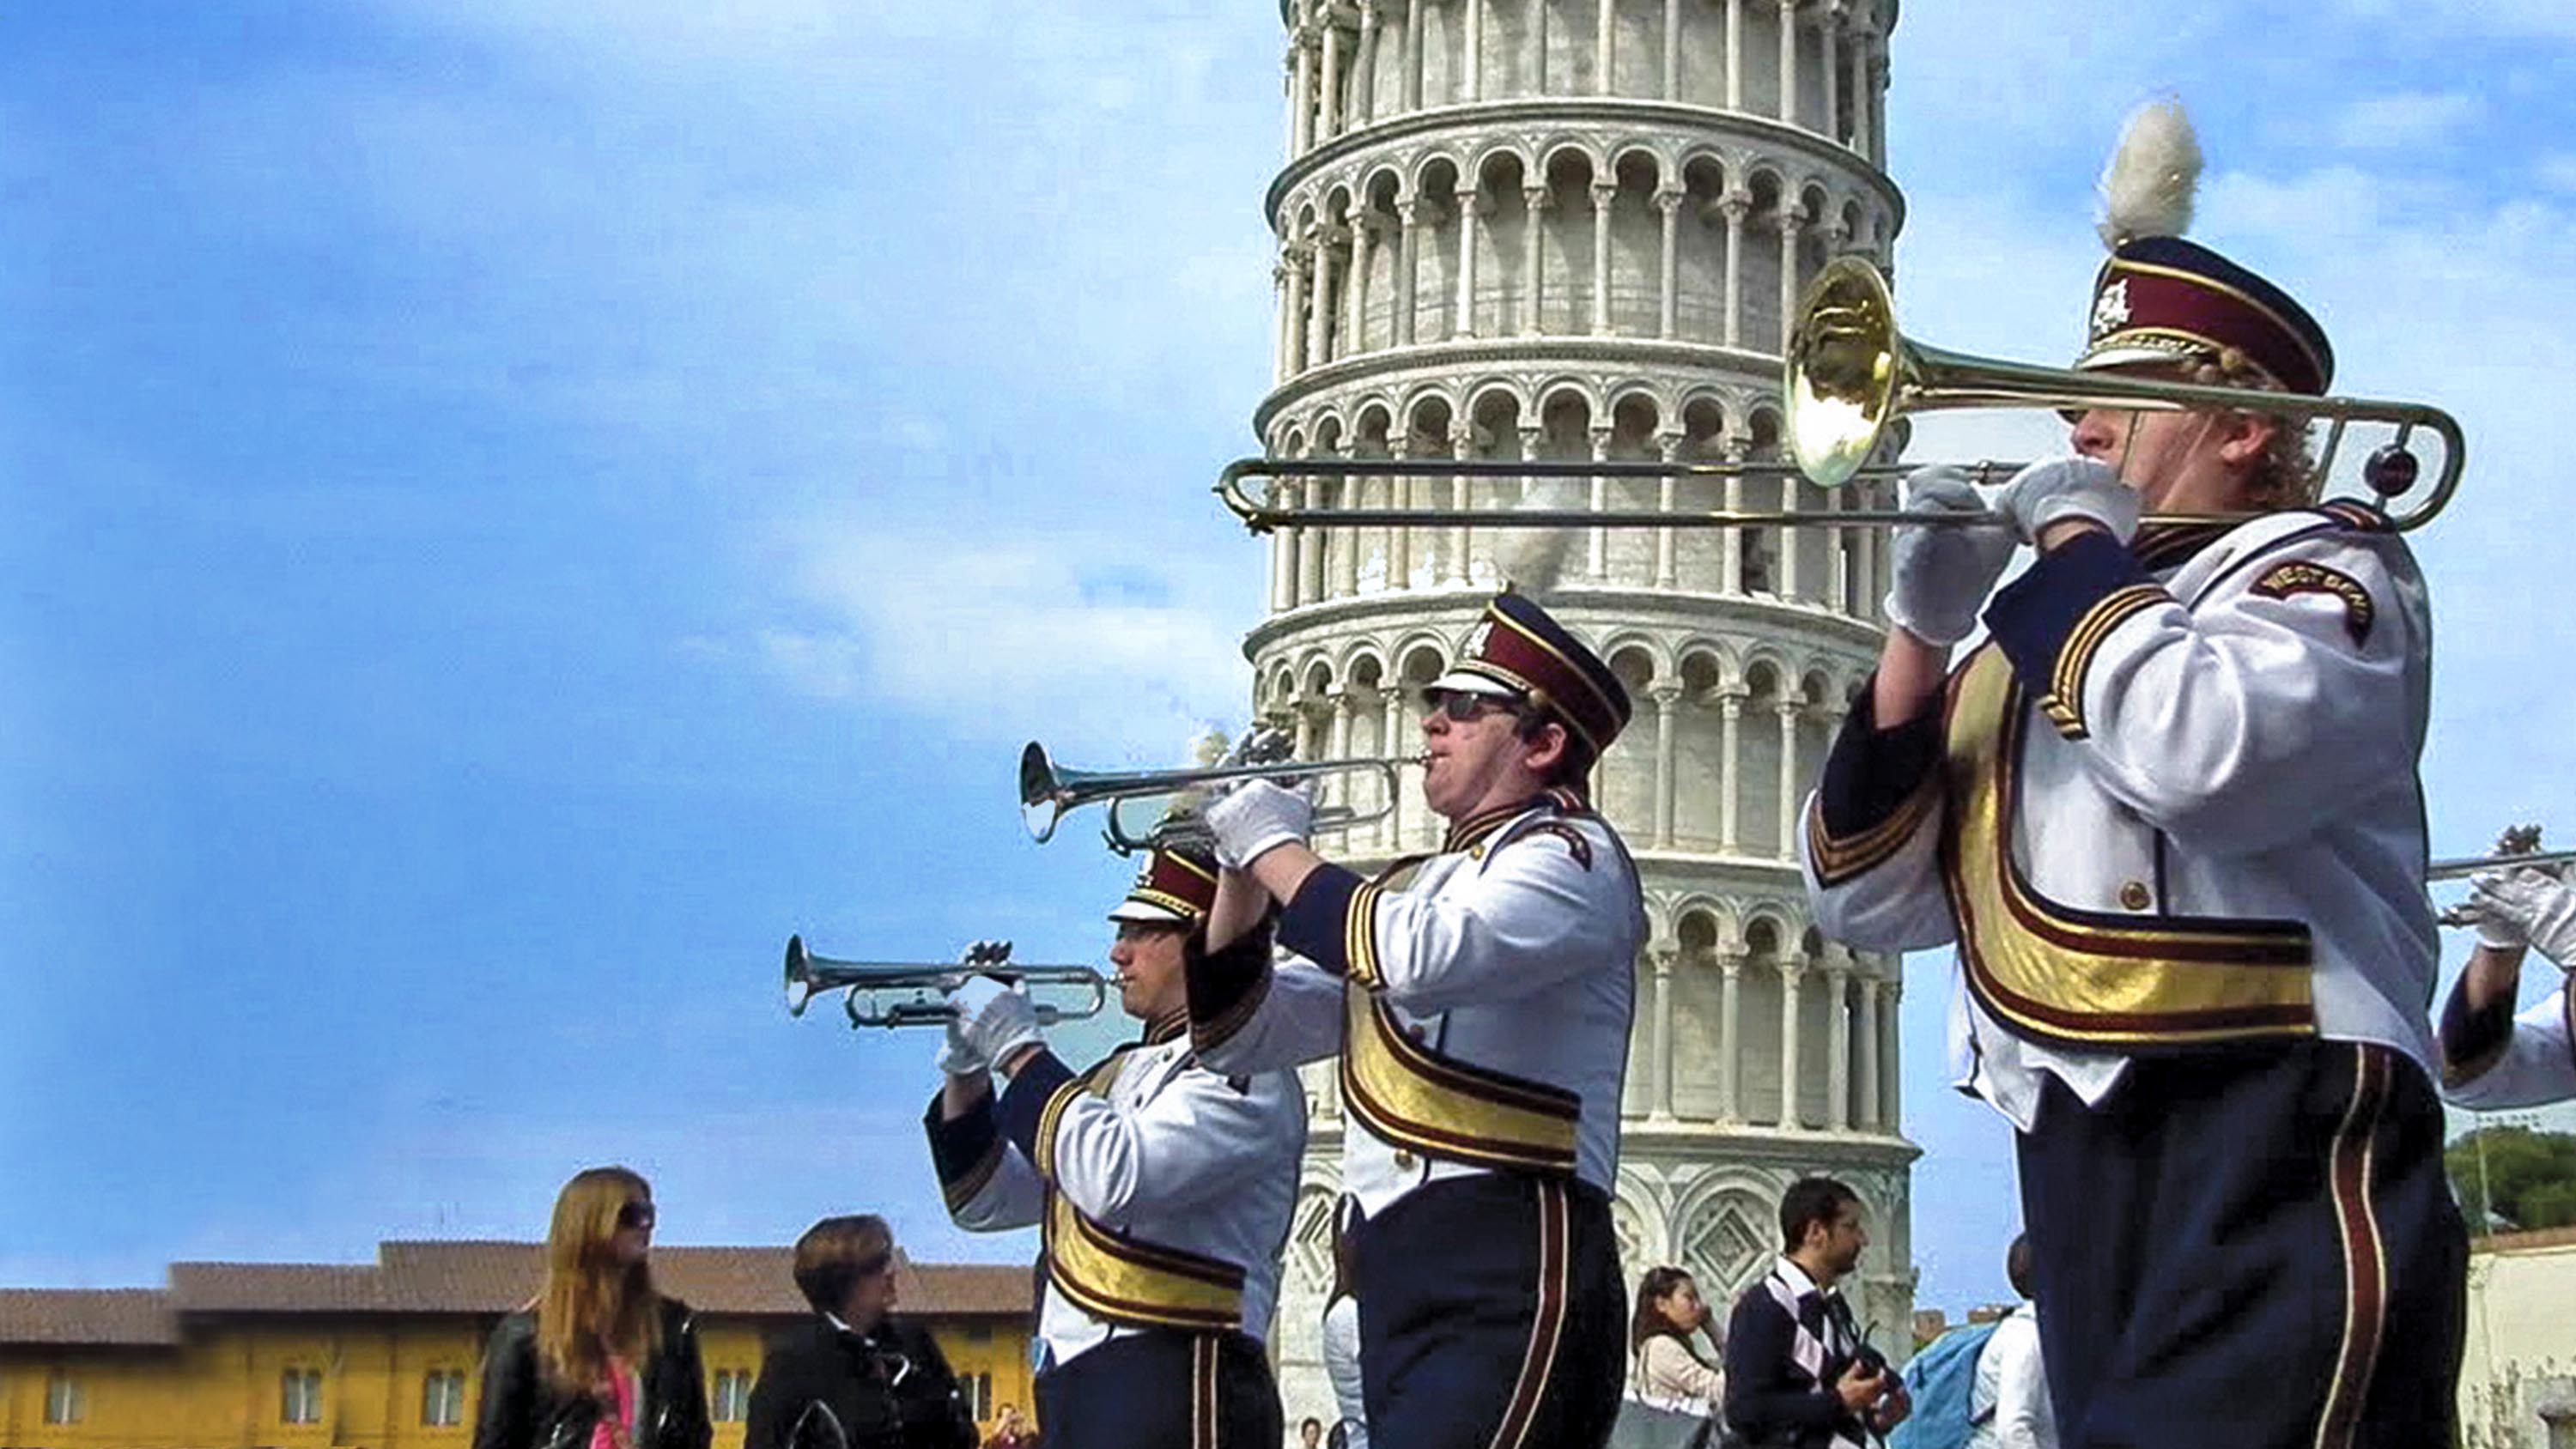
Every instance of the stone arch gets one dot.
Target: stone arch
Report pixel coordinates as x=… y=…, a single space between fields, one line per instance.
x=1627 y=773
x=1701 y=766
x=1437 y=182
x=1502 y=244
x=1636 y=245
x=1566 y=240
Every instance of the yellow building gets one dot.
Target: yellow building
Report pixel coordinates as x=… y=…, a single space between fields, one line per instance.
x=321 y=1356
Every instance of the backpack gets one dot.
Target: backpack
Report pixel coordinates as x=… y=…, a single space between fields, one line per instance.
x=1942 y=1379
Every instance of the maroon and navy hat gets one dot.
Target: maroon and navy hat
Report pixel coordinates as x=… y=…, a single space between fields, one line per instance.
x=1176 y=887
x=1518 y=652
x=2164 y=299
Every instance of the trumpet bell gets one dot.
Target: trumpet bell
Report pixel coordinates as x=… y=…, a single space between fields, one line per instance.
x=1040 y=805
x=800 y=976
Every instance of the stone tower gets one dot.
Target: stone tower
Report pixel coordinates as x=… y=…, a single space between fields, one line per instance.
x=1571 y=229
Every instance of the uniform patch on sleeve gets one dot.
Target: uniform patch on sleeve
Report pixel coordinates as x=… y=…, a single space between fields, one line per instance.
x=2301 y=577
x=1573 y=838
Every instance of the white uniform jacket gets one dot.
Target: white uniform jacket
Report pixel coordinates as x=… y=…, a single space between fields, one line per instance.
x=2171 y=801
x=2494 y=1059
x=1479 y=1000
x=1164 y=1188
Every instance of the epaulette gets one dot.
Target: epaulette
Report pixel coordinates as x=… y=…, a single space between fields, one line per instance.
x=2355 y=515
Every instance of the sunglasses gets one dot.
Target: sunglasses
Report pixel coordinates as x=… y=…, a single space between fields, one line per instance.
x=635 y=1215
x=1462 y=707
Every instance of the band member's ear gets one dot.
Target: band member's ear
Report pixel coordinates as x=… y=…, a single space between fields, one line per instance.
x=1543 y=751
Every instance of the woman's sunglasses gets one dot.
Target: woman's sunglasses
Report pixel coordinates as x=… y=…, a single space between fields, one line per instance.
x=635 y=1215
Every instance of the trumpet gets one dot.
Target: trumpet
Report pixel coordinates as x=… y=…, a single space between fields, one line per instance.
x=809 y=976
x=2517 y=847
x=1048 y=790
x=1848 y=376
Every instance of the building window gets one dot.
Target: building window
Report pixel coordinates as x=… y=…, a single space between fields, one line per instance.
x=733 y=1395
x=62 y=1399
x=300 y=1395
x=442 y=1398
x=978 y=1389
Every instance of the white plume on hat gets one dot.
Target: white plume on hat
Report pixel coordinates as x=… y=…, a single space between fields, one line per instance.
x=1532 y=560
x=2148 y=187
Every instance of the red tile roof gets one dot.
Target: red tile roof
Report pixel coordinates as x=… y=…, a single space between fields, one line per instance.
x=468 y=1278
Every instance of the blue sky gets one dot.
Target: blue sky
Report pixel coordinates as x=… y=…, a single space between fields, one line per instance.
x=514 y=506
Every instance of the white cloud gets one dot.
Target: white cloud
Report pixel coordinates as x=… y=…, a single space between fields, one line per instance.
x=1119 y=641
x=2404 y=120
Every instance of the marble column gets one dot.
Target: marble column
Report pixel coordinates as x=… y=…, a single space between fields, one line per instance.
x=1604 y=195
x=1730 y=710
x=1735 y=55
x=1539 y=201
x=1470 y=206
x=1661 y=1107
x=1363 y=104
x=1667 y=574
x=1597 y=548
x=1302 y=130
x=1791 y=967
x=1735 y=206
x=1300 y=256
x=1837 y=1038
x=1408 y=260
x=1672 y=50
x=1319 y=327
x=1791 y=221
x=1668 y=284
x=1865 y=1089
x=1788 y=842
x=1667 y=695
x=1730 y=1101
x=1789 y=61
x=1328 y=113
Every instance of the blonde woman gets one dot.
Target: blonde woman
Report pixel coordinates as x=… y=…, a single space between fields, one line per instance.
x=598 y=1360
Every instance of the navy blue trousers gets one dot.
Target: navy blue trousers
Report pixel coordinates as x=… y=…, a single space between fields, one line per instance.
x=2248 y=1250
x=1491 y=1313
x=1162 y=1389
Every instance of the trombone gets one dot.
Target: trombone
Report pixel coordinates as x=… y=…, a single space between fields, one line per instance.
x=1048 y=790
x=1848 y=376
x=809 y=976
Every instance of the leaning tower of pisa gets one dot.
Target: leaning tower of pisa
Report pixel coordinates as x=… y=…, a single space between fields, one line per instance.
x=1572 y=229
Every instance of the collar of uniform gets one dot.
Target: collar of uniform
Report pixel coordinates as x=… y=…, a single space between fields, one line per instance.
x=1475 y=830
x=2161 y=547
x=1170 y=1026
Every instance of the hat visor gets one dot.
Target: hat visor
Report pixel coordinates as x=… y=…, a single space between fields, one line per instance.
x=2138 y=354
x=1147 y=911
x=1461 y=681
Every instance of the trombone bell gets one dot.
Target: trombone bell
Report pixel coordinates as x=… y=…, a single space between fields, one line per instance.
x=1844 y=366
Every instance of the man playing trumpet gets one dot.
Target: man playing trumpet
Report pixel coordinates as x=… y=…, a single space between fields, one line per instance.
x=2491 y=1057
x=1164 y=1189
x=1479 y=1001
x=2168 y=813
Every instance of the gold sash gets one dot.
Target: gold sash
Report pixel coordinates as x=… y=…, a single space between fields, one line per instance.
x=1418 y=1099
x=1111 y=1275
x=2086 y=978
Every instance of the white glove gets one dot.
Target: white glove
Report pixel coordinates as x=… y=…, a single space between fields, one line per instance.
x=1255 y=818
x=996 y=1020
x=2063 y=488
x=2529 y=904
x=1941 y=572
x=958 y=1056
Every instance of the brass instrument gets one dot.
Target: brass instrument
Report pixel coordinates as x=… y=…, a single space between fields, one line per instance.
x=1048 y=790
x=809 y=976
x=1848 y=375
x=2517 y=847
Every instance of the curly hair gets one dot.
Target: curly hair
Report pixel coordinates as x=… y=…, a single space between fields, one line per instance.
x=2285 y=474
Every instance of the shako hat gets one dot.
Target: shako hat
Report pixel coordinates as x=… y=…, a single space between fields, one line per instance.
x=1518 y=652
x=1176 y=886
x=2161 y=298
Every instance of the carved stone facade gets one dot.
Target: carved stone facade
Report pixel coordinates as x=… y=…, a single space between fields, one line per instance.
x=1571 y=229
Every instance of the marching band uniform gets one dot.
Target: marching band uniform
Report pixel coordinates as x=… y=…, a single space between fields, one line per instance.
x=2169 y=815
x=2492 y=1058
x=1479 y=1000
x=1164 y=1190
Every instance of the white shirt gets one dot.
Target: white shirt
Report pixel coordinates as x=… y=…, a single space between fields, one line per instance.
x=1518 y=957
x=2249 y=752
x=1179 y=1157
x=2010 y=1399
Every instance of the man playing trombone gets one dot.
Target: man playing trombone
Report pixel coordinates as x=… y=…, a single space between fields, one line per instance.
x=1164 y=1189
x=2169 y=814
x=1479 y=1000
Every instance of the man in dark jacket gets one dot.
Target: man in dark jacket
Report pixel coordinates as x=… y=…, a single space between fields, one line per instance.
x=1798 y=1373
x=852 y=1377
